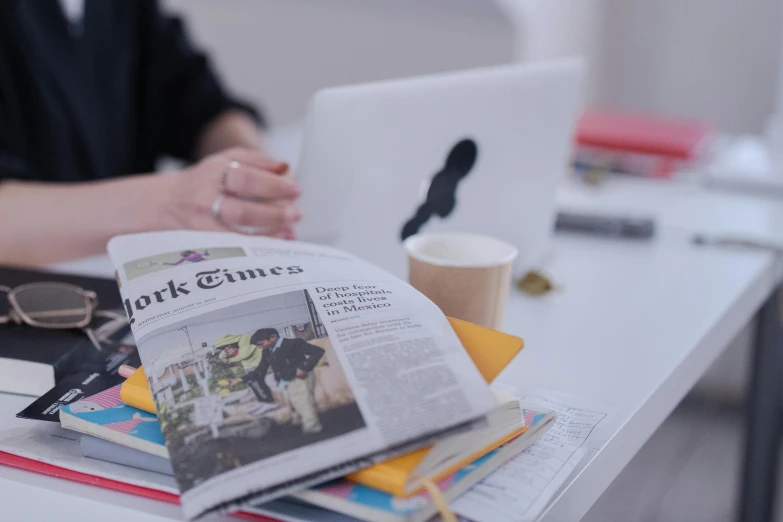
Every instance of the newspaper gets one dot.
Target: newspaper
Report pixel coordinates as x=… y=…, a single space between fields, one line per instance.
x=277 y=365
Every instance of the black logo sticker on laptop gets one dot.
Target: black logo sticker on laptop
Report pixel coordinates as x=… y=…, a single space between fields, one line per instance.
x=442 y=193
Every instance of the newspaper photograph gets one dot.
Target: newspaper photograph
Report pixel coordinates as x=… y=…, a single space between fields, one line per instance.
x=278 y=365
x=167 y=260
x=265 y=371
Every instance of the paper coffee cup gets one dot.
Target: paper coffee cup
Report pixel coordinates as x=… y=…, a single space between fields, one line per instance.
x=466 y=275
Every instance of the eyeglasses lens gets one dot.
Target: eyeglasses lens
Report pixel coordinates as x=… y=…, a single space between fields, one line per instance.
x=53 y=306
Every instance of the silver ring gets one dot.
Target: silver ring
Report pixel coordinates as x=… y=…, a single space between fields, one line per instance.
x=217 y=205
x=224 y=173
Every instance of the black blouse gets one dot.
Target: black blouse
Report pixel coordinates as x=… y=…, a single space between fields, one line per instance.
x=103 y=98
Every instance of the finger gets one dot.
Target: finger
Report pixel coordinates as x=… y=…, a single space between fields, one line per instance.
x=283 y=233
x=272 y=216
x=256 y=159
x=212 y=224
x=251 y=182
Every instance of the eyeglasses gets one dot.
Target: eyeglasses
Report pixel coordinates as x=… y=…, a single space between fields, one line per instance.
x=60 y=306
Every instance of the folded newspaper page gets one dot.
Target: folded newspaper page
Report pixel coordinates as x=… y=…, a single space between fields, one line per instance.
x=278 y=365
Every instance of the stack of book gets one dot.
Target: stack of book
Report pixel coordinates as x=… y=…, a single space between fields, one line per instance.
x=639 y=144
x=281 y=378
x=119 y=425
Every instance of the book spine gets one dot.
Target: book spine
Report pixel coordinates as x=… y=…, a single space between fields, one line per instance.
x=624 y=162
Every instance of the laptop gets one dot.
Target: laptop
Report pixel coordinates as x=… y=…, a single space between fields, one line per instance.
x=478 y=151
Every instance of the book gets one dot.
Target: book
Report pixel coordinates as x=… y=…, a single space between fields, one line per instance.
x=136 y=392
x=643 y=134
x=639 y=144
x=291 y=510
x=589 y=159
x=358 y=500
x=33 y=360
x=102 y=449
x=47 y=449
x=105 y=416
x=402 y=476
x=367 y=503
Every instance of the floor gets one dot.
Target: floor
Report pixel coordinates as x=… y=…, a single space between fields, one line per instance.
x=687 y=472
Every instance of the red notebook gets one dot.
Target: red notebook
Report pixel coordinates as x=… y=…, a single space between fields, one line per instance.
x=15 y=461
x=643 y=134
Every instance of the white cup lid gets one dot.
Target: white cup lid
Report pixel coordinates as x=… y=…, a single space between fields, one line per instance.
x=460 y=250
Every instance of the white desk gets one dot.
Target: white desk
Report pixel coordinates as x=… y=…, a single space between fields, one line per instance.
x=30 y=496
x=634 y=327
x=638 y=324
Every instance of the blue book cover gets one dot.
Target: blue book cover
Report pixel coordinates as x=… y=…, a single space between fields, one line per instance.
x=105 y=416
x=102 y=449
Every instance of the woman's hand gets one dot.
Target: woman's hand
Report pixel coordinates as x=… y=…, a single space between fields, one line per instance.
x=254 y=196
x=237 y=189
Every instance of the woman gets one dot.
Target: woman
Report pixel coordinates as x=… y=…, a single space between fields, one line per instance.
x=92 y=95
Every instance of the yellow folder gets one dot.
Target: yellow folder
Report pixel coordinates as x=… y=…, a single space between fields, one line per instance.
x=135 y=392
x=490 y=350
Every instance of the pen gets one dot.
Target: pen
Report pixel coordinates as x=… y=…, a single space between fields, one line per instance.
x=738 y=241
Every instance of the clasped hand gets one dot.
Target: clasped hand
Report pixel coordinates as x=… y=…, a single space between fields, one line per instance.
x=240 y=190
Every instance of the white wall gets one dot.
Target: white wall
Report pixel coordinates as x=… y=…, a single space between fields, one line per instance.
x=553 y=29
x=715 y=60
x=279 y=52
x=709 y=59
